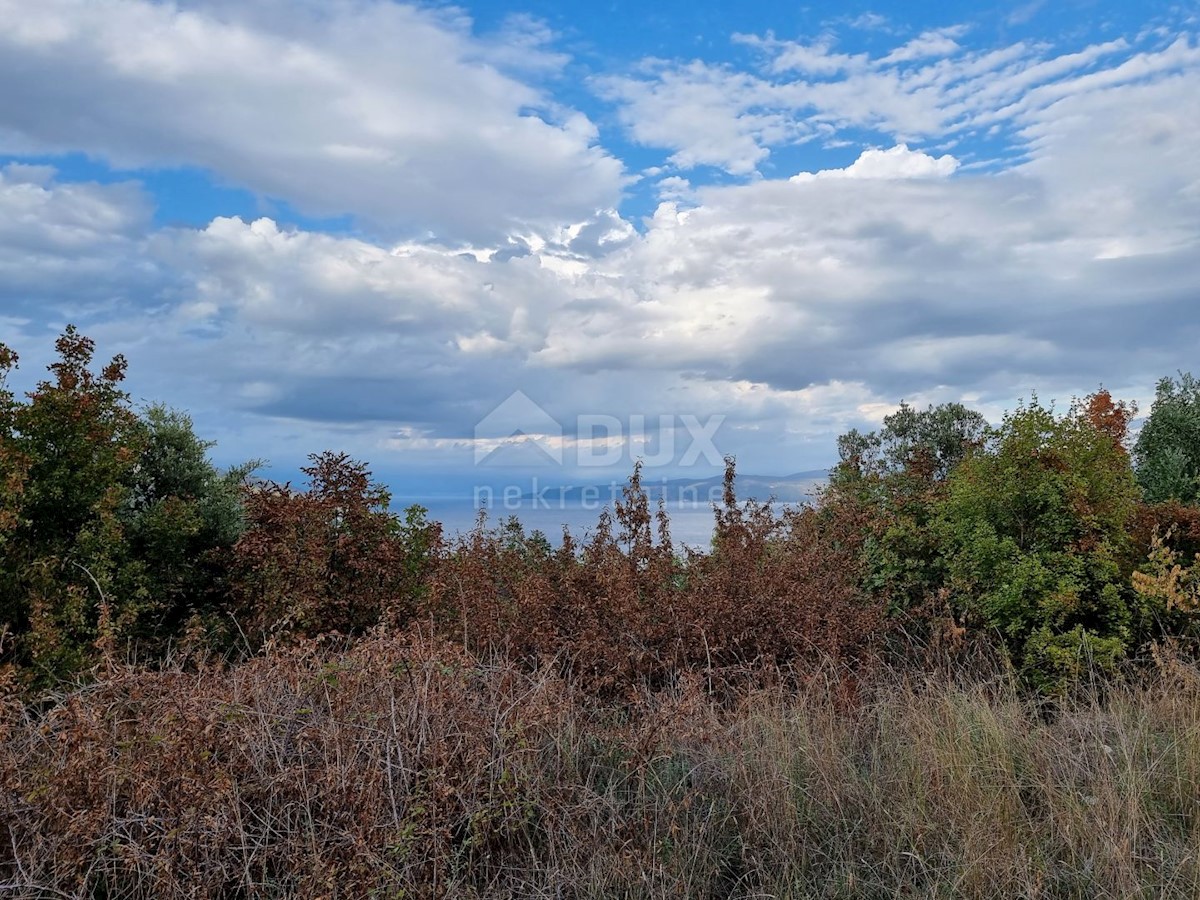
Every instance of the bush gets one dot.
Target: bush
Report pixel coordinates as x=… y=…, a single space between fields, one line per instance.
x=777 y=592
x=328 y=559
x=1036 y=538
x=408 y=768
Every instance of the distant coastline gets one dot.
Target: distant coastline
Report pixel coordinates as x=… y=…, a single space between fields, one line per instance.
x=799 y=487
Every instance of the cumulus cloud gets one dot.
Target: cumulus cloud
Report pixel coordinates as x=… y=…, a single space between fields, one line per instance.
x=983 y=284
x=395 y=114
x=79 y=241
x=898 y=162
x=674 y=187
x=796 y=307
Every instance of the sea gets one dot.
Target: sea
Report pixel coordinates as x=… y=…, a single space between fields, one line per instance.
x=691 y=523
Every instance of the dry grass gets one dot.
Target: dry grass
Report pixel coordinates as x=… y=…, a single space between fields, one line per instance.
x=411 y=769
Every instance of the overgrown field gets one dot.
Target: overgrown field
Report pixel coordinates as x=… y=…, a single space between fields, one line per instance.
x=409 y=768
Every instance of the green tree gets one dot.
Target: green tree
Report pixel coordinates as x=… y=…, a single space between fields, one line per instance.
x=1035 y=531
x=107 y=518
x=75 y=440
x=925 y=443
x=178 y=513
x=898 y=475
x=1167 y=453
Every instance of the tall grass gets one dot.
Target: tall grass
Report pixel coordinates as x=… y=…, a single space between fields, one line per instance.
x=410 y=768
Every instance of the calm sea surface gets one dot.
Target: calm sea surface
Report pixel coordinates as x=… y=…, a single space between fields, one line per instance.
x=691 y=523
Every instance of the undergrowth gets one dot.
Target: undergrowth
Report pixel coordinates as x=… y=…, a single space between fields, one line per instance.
x=413 y=768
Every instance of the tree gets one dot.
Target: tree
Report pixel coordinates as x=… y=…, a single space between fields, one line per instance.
x=926 y=443
x=74 y=442
x=178 y=514
x=14 y=466
x=1109 y=417
x=1035 y=531
x=1167 y=452
x=898 y=475
x=108 y=519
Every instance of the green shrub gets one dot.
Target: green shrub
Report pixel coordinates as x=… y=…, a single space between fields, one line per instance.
x=1035 y=530
x=897 y=476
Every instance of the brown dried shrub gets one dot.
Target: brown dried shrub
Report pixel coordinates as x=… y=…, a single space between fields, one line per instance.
x=329 y=559
x=777 y=591
x=406 y=767
x=1180 y=520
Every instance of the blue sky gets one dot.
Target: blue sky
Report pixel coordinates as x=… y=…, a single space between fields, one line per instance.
x=364 y=225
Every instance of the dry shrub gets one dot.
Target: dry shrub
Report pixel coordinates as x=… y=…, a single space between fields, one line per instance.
x=328 y=559
x=777 y=592
x=786 y=590
x=412 y=769
x=304 y=772
x=1179 y=520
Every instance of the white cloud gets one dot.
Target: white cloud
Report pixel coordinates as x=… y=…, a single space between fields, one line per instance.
x=72 y=216
x=76 y=240
x=796 y=307
x=674 y=188
x=817 y=58
x=869 y=21
x=707 y=114
x=392 y=113
x=939 y=42
x=898 y=162
x=930 y=87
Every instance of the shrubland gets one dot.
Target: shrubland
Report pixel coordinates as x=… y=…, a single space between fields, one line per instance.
x=965 y=669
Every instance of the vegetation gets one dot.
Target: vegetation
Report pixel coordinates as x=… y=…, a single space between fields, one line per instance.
x=111 y=519
x=1168 y=447
x=1034 y=529
x=405 y=767
x=966 y=669
x=329 y=559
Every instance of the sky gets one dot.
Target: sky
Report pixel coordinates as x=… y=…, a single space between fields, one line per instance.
x=484 y=242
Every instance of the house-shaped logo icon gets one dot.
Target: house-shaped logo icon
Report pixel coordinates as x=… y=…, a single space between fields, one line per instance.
x=519 y=425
